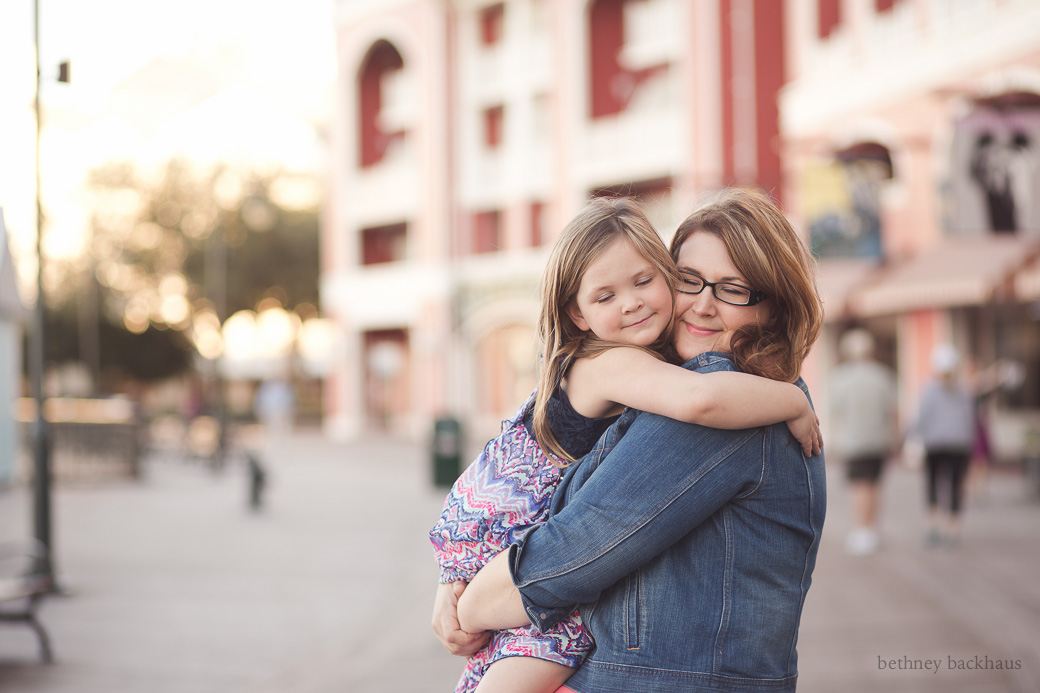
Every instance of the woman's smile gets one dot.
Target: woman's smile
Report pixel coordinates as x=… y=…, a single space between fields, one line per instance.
x=697 y=330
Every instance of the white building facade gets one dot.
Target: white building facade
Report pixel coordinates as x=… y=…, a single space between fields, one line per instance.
x=468 y=133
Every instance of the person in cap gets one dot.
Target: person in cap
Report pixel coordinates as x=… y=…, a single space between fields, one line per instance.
x=946 y=426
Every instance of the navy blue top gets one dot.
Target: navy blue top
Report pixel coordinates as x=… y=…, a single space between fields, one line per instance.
x=576 y=433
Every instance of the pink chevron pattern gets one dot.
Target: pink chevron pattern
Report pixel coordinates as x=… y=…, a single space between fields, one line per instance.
x=567 y=643
x=498 y=499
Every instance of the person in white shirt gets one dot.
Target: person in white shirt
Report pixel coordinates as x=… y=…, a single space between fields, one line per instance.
x=865 y=431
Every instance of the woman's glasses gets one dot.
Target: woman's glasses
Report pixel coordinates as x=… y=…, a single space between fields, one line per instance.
x=727 y=292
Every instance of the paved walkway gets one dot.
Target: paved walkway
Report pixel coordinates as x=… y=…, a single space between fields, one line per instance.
x=176 y=587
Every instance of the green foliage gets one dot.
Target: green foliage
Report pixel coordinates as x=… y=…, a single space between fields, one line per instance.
x=164 y=250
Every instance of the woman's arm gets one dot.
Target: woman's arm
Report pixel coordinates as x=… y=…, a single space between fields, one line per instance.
x=491 y=602
x=724 y=399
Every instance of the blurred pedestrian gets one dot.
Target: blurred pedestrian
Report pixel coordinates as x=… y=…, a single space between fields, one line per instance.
x=982 y=384
x=946 y=426
x=275 y=407
x=865 y=431
x=1002 y=375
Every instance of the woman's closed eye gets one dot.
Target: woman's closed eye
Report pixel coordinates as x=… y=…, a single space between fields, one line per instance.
x=733 y=290
x=692 y=281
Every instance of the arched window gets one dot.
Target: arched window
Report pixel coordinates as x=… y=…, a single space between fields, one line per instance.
x=381 y=63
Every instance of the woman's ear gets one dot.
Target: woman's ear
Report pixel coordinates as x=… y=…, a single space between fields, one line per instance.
x=576 y=317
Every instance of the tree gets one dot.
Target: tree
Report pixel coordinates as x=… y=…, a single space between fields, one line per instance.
x=174 y=251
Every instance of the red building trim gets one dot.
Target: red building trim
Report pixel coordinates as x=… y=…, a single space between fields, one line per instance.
x=606 y=38
x=726 y=83
x=829 y=17
x=492 y=19
x=769 y=78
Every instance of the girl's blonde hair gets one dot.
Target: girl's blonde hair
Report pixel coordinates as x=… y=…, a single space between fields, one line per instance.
x=774 y=260
x=598 y=225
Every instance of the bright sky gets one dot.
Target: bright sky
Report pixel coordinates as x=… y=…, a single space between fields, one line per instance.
x=234 y=78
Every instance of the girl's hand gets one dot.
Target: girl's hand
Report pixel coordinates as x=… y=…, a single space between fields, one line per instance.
x=446 y=622
x=806 y=429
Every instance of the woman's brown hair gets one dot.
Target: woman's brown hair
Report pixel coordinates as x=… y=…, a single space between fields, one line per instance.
x=774 y=260
x=595 y=228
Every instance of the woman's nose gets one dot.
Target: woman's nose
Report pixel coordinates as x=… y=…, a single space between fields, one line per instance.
x=704 y=302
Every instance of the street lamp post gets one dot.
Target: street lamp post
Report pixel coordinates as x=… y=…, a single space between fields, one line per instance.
x=41 y=442
x=40 y=433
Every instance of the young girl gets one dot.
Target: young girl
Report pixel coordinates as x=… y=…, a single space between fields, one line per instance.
x=605 y=319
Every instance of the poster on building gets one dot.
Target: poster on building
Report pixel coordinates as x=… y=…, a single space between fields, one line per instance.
x=995 y=172
x=841 y=198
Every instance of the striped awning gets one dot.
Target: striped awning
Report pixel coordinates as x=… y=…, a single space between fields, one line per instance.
x=1027 y=282
x=837 y=279
x=958 y=272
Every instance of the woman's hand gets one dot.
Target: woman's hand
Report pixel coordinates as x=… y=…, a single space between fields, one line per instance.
x=806 y=429
x=446 y=622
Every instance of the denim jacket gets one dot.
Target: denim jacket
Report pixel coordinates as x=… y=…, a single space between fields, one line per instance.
x=689 y=549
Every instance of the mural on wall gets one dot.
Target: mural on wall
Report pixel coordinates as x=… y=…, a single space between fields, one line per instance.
x=996 y=171
x=842 y=202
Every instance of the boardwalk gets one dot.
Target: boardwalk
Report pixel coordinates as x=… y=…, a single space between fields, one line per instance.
x=176 y=587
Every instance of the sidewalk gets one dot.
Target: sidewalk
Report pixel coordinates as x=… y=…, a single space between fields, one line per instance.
x=178 y=588
x=870 y=623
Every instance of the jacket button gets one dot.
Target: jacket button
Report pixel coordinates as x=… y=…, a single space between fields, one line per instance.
x=542 y=616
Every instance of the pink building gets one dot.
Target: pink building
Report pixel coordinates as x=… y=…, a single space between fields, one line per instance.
x=468 y=132
x=911 y=149
x=903 y=136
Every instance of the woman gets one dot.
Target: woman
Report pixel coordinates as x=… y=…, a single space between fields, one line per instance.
x=946 y=425
x=690 y=549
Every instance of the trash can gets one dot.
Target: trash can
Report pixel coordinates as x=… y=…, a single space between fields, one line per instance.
x=447 y=450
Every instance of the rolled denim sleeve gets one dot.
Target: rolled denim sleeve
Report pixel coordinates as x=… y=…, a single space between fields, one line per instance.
x=662 y=479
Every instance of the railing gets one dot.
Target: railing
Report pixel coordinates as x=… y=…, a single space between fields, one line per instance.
x=88 y=438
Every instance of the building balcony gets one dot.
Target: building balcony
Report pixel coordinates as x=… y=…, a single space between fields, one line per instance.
x=388 y=191
x=389 y=295
x=640 y=142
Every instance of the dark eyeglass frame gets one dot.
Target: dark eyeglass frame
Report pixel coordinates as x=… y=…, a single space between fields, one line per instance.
x=754 y=295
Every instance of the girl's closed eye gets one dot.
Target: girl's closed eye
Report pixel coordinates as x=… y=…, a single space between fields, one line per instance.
x=645 y=280
x=604 y=298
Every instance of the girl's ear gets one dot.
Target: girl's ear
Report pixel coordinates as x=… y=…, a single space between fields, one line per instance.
x=576 y=317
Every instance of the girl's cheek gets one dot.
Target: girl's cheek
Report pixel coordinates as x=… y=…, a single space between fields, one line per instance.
x=682 y=303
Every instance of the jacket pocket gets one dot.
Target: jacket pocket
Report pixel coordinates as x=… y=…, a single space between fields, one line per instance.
x=633 y=610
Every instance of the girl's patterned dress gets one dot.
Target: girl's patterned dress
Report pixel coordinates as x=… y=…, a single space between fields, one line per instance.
x=497 y=500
